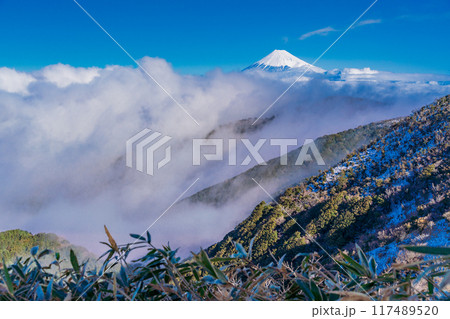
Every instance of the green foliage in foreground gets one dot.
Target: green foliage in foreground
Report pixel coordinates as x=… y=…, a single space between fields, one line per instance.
x=161 y=275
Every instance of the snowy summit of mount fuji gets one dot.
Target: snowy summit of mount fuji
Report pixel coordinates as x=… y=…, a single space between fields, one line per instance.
x=281 y=60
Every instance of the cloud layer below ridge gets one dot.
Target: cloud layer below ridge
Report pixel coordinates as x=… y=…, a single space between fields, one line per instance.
x=63 y=132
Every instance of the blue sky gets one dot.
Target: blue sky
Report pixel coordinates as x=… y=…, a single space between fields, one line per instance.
x=197 y=36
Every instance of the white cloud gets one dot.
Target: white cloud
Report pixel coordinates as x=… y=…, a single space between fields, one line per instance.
x=367 y=74
x=13 y=81
x=65 y=167
x=63 y=75
x=368 y=71
x=368 y=21
x=321 y=32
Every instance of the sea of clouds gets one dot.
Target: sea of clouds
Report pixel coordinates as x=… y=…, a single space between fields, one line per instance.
x=63 y=132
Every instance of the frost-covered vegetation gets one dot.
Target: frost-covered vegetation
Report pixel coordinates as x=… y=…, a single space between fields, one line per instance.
x=394 y=191
x=160 y=275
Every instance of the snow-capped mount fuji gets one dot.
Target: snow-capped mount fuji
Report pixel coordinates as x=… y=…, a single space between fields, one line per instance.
x=283 y=66
x=281 y=60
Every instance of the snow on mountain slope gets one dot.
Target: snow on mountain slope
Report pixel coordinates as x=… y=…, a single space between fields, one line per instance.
x=281 y=60
x=394 y=191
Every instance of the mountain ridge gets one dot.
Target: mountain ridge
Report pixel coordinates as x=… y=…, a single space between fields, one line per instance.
x=394 y=191
x=333 y=147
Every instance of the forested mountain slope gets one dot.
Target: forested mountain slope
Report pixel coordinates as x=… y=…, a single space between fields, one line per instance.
x=394 y=191
x=17 y=243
